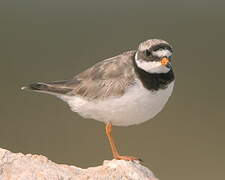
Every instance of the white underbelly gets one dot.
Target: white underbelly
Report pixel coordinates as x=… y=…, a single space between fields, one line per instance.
x=135 y=106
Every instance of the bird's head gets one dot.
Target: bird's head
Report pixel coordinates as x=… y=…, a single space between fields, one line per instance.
x=154 y=56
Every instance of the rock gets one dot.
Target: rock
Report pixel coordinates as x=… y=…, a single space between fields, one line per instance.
x=17 y=166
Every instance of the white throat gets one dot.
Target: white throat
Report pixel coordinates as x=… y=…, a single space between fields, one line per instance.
x=151 y=66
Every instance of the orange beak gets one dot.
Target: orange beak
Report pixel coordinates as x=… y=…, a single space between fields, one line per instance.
x=164 y=61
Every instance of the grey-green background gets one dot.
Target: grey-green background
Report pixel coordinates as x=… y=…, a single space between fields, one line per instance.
x=52 y=40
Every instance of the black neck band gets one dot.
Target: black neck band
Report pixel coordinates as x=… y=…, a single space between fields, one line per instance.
x=154 y=81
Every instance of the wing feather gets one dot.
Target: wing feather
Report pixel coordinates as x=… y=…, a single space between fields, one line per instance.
x=107 y=78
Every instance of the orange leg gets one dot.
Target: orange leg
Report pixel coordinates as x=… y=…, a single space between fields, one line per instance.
x=115 y=153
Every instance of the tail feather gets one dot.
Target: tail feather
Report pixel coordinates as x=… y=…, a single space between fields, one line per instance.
x=38 y=86
x=54 y=87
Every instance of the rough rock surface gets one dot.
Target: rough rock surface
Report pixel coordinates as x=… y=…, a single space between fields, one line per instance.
x=16 y=166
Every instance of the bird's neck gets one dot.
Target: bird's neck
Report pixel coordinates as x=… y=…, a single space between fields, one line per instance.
x=153 y=81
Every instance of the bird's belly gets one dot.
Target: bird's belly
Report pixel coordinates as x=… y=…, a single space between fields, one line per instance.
x=135 y=106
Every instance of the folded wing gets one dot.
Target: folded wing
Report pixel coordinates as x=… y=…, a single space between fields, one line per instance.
x=107 y=78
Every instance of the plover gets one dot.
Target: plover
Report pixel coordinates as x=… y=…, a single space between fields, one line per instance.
x=124 y=90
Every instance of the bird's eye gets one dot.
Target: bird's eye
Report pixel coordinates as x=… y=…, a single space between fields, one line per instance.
x=148 y=53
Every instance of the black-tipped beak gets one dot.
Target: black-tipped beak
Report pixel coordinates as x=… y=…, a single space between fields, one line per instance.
x=169 y=65
x=165 y=62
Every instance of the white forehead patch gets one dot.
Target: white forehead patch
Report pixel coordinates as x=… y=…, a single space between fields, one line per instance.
x=162 y=53
x=151 y=66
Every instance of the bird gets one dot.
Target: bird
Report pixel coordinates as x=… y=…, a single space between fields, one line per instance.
x=127 y=89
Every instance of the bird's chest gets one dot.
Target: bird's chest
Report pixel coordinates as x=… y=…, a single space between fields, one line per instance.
x=139 y=105
x=136 y=106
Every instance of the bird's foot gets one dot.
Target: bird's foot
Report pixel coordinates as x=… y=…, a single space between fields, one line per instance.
x=127 y=158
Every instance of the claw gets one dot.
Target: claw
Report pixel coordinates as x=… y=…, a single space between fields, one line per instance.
x=128 y=158
x=116 y=155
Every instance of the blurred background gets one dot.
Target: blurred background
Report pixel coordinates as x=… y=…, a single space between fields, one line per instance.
x=49 y=40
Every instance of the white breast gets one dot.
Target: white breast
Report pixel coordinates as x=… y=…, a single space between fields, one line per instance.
x=136 y=106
